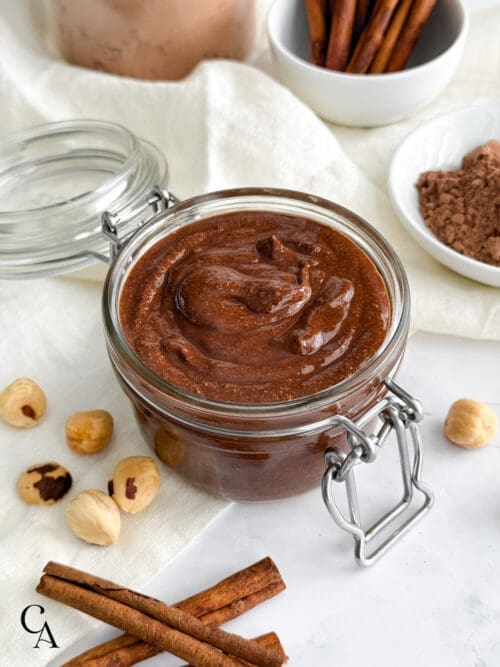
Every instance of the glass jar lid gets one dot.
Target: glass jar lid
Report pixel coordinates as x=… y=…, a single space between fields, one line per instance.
x=56 y=182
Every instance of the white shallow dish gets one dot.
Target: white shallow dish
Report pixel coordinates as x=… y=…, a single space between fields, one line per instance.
x=441 y=143
x=367 y=100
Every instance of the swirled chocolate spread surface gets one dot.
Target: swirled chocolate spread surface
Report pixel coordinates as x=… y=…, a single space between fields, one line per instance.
x=254 y=307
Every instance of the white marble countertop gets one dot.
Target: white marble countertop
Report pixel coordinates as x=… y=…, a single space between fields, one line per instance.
x=433 y=600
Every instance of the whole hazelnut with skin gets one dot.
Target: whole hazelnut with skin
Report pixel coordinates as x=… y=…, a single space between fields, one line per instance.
x=135 y=483
x=94 y=517
x=89 y=432
x=22 y=403
x=470 y=424
x=44 y=484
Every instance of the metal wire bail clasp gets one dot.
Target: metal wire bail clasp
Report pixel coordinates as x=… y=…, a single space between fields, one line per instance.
x=158 y=199
x=400 y=413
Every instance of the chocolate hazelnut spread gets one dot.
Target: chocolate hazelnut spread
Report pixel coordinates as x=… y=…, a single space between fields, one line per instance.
x=255 y=307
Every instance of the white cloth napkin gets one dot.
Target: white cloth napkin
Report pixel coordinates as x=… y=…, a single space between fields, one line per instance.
x=226 y=125
x=51 y=332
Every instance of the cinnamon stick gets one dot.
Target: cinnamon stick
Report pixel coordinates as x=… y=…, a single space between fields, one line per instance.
x=372 y=37
x=410 y=34
x=130 y=610
x=240 y=606
x=269 y=640
x=127 y=650
x=391 y=37
x=363 y=12
x=216 y=605
x=122 y=651
x=244 y=583
x=134 y=622
x=163 y=626
x=318 y=19
x=341 y=31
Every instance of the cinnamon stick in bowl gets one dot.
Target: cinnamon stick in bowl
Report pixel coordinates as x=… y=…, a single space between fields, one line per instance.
x=363 y=12
x=371 y=38
x=391 y=37
x=410 y=34
x=341 y=32
x=318 y=19
x=369 y=101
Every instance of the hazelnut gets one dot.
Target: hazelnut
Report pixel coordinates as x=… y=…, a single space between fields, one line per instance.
x=470 y=423
x=22 y=403
x=88 y=432
x=170 y=448
x=135 y=483
x=44 y=484
x=94 y=517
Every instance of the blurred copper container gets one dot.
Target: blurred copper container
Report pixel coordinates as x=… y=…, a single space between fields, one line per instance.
x=152 y=39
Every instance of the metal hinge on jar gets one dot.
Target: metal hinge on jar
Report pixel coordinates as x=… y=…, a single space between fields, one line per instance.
x=400 y=413
x=159 y=199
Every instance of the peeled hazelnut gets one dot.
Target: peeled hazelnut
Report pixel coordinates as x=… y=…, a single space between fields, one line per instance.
x=88 y=432
x=44 y=484
x=170 y=448
x=135 y=483
x=94 y=517
x=22 y=403
x=470 y=423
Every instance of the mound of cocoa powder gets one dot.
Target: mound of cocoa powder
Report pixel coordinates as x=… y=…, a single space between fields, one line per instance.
x=462 y=207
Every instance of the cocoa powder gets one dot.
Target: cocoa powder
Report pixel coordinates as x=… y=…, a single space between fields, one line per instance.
x=462 y=207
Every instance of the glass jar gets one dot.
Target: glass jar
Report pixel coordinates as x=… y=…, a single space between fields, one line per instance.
x=156 y=39
x=76 y=192
x=55 y=182
x=252 y=452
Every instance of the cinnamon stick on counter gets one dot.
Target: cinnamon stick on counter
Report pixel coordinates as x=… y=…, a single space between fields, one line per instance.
x=410 y=34
x=144 y=626
x=318 y=19
x=214 y=606
x=269 y=640
x=152 y=621
x=391 y=37
x=371 y=39
x=165 y=627
x=122 y=651
x=341 y=32
x=236 y=594
x=125 y=651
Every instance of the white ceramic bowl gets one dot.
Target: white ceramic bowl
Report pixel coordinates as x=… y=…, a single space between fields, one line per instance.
x=361 y=99
x=441 y=143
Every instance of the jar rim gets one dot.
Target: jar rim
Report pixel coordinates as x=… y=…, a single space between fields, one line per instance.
x=197 y=207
